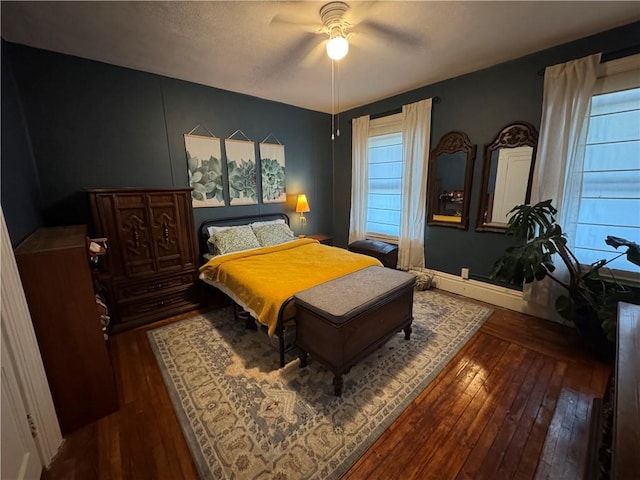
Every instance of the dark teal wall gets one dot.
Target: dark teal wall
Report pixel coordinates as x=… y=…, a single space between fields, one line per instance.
x=71 y=124
x=95 y=125
x=479 y=104
x=20 y=185
x=308 y=155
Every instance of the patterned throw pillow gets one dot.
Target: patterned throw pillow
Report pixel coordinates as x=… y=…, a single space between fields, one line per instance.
x=273 y=234
x=234 y=239
x=211 y=241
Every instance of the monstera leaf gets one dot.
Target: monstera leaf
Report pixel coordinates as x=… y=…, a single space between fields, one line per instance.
x=633 y=249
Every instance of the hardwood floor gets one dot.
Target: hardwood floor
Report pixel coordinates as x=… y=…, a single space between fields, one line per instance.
x=513 y=403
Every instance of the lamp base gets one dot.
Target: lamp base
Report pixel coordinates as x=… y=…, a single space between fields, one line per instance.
x=303 y=224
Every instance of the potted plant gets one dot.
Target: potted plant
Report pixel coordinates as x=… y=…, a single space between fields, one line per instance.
x=589 y=300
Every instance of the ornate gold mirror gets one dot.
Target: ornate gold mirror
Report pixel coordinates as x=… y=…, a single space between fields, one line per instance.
x=506 y=175
x=450 y=175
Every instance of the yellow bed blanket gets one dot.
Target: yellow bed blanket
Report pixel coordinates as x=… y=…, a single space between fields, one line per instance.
x=262 y=279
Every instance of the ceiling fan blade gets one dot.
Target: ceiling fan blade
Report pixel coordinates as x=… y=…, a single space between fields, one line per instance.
x=315 y=54
x=389 y=33
x=359 y=11
x=296 y=22
x=293 y=56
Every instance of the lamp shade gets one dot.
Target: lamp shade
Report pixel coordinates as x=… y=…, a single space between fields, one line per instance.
x=337 y=47
x=302 y=205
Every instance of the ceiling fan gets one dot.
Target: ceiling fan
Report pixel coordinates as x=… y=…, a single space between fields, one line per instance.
x=339 y=25
x=336 y=27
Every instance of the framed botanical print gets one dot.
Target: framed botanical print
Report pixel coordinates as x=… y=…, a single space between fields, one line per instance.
x=273 y=173
x=204 y=162
x=241 y=166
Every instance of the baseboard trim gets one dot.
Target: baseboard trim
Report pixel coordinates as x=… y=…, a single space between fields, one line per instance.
x=489 y=293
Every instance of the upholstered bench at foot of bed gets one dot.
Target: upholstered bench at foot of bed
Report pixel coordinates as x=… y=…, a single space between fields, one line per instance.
x=385 y=252
x=342 y=321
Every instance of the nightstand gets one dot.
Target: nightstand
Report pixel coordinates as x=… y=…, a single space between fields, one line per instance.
x=324 y=239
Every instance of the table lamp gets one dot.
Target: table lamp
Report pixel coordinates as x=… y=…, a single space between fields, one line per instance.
x=302 y=206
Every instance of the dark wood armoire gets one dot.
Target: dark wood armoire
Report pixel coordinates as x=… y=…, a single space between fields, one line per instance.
x=150 y=269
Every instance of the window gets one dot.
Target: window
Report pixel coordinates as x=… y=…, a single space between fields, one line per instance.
x=610 y=200
x=384 y=197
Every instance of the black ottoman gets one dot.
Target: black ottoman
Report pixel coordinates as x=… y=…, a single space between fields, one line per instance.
x=385 y=252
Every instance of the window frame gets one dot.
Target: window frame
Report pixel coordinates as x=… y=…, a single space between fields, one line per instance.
x=614 y=76
x=389 y=124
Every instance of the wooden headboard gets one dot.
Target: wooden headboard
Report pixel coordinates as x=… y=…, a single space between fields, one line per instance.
x=203 y=234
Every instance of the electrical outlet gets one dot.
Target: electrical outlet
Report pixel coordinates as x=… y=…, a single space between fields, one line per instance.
x=464 y=273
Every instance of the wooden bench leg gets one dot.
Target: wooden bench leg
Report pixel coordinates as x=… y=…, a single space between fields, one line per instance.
x=407 y=332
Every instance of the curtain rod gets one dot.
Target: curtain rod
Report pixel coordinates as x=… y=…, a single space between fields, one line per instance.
x=385 y=114
x=608 y=56
x=394 y=111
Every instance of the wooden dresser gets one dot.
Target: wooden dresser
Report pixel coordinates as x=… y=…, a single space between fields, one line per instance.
x=614 y=436
x=625 y=462
x=150 y=268
x=55 y=275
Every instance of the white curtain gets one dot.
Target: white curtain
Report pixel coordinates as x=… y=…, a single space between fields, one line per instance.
x=416 y=132
x=568 y=89
x=359 y=178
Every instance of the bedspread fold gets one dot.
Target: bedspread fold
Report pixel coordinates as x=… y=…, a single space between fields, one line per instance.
x=264 y=278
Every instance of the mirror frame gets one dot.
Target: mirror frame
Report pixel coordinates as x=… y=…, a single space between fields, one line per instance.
x=513 y=135
x=452 y=142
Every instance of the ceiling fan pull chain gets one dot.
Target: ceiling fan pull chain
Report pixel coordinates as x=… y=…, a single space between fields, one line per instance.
x=333 y=105
x=338 y=101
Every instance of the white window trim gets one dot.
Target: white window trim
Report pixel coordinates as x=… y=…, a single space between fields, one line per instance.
x=620 y=74
x=623 y=277
x=384 y=126
x=616 y=75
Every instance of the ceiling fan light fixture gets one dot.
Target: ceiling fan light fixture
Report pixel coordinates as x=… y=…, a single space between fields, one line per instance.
x=337 y=47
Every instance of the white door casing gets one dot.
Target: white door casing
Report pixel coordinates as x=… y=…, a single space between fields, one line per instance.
x=20 y=458
x=21 y=361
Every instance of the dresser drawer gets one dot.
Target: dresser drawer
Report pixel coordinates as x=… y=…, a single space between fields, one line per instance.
x=139 y=290
x=157 y=307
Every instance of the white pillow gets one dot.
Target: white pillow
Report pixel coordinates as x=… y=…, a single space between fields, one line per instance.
x=268 y=222
x=213 y=229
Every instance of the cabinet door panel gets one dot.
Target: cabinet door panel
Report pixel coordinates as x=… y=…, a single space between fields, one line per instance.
x=165 y=228
x=171 y=240
x=135 y=239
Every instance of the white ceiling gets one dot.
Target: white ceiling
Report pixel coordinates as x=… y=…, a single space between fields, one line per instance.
x=258 y=48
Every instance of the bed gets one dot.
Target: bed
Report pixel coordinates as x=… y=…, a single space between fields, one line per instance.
x=263 y=278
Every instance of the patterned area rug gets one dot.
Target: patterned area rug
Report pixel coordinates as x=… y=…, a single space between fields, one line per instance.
x=244 y=418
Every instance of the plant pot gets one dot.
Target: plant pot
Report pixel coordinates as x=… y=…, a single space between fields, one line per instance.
x=595 y=339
